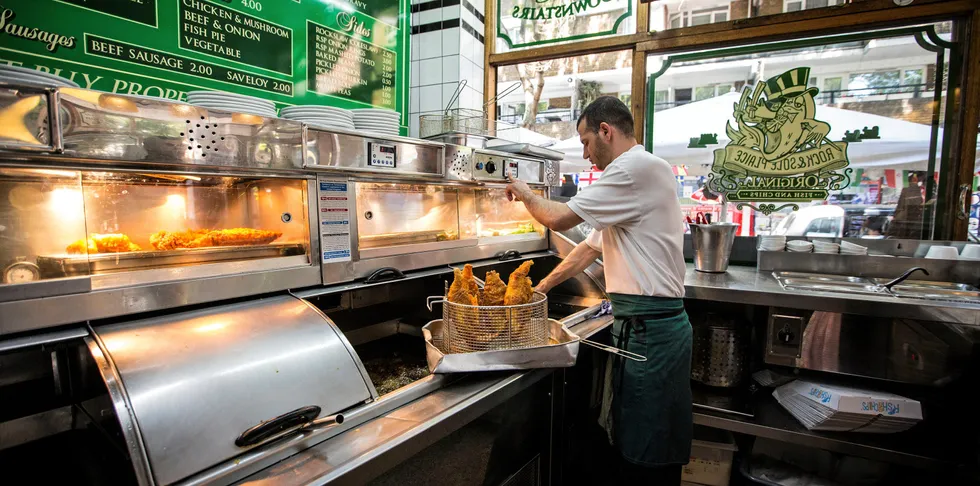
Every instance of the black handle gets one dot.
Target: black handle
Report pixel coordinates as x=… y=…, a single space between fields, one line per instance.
x=385 y=274
x=285 y=421
x=908 y=273
x=509 y=255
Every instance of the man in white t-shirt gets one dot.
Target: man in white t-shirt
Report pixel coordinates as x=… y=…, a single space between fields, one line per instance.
x=639 y=234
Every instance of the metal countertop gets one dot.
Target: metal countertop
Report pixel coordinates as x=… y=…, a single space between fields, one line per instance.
x=362 y=453
x=747 y=285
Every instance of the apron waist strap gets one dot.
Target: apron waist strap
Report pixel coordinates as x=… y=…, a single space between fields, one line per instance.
x=664 y=314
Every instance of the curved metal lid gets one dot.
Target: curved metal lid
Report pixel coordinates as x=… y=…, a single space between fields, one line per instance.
x=196 y=380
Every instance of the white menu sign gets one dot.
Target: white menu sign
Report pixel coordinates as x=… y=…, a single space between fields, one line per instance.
x=332 y=199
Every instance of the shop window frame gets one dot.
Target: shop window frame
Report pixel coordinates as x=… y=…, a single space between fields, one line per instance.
x=925 y=36
x=848 y=17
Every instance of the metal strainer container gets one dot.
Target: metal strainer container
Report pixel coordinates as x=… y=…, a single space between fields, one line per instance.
x=472 y=328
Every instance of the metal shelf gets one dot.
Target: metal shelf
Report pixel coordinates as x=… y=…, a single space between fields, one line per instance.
x=925 y=446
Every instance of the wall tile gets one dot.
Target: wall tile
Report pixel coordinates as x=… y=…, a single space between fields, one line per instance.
x=414 y=73
x=414 y=41
x=430 y=98
x=450 y=41
x=451 y=12
x=430 y=45
x=413 y=125
x=465 y=44
x=430 y=16
x=430 y=71
x=413 y=100
x=450 y=69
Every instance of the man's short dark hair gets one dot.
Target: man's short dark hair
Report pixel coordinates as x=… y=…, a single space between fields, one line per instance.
x=610 y=110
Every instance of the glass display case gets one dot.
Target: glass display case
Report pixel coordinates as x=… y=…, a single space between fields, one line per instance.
x=72 y=223
x=394 y=218
x=396 y=215
x=487 y=214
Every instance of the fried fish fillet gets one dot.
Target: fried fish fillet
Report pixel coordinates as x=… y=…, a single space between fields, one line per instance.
x=464 y=289
x=172 y=240
x=493 y=290
x=519 y=286
x=203 y=238
x=82 y=247
x=103 y=243
x=243 y=236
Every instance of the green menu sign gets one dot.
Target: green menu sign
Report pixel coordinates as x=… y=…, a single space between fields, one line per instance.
x=344 y=53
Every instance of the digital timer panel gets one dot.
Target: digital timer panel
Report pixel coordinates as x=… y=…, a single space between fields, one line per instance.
x=382 y=155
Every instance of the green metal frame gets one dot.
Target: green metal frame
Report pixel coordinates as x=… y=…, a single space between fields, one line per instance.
x=510 y=43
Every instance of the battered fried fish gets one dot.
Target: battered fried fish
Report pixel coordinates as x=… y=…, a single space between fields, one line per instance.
x=493 y=290
x=243 y=236
x=464 y=289
x=107 y=243
x=172 y=240
x=203 y=238
x=519 y=286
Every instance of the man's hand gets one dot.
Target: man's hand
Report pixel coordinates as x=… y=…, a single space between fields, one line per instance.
x=518 y=190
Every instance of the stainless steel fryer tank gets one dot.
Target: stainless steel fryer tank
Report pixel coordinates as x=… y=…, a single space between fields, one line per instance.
x=185 y=386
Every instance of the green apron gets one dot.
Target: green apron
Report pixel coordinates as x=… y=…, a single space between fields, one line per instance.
x=652 y=422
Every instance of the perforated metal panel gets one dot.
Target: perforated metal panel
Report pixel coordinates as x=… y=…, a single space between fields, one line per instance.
x=459 y=163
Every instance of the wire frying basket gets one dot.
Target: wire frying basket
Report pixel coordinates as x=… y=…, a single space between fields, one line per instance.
x=473 y=328
x=465 y=120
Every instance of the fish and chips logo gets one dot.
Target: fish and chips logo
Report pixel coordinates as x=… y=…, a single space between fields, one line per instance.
x=779 y=151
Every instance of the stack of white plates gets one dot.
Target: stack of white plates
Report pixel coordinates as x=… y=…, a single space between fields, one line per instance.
x=825 y=247
x=19 y=75
x=384 y=122
x=326 y=116
x=772 y=243
x=799 y=246
x=221 y=100
x=852 y=249
x=823 y=407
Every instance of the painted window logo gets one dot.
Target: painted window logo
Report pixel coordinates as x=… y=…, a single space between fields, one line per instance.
x=779 y=150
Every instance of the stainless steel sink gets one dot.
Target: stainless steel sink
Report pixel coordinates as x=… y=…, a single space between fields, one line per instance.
x=909 y=289
x=827 y=283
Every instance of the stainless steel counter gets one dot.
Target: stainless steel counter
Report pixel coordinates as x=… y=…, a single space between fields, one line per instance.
x=746 y=285
x=364 y=452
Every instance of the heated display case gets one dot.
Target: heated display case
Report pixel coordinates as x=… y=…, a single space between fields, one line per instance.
x=393 y=218
x=65 y=223
x=487 y=214
x=400 y=218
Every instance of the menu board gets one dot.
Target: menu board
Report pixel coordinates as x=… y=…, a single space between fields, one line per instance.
x=344 y=53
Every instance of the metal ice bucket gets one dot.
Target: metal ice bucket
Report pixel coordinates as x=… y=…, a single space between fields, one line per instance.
x=712 y=246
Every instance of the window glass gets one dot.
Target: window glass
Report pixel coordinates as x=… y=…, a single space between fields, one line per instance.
x=704 y=92
x=868 y=98
x=675 y=14
x=561 y=88
x=525 y=24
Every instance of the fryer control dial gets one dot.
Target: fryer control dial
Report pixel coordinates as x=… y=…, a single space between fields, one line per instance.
x=490 y=167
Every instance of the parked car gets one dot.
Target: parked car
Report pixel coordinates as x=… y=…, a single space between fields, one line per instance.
x=852 y=221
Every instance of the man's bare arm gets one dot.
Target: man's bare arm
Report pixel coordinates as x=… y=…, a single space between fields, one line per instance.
x=577 y=261
x=553 y=214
